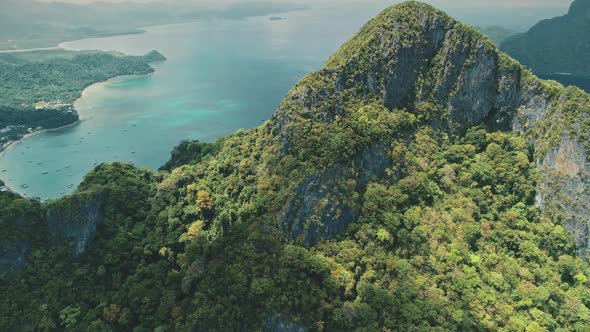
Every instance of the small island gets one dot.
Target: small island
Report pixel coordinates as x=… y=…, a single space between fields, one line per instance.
x=277 y=18
x=39 y=88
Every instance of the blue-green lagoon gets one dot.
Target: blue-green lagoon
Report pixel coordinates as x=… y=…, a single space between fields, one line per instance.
x=220 y=76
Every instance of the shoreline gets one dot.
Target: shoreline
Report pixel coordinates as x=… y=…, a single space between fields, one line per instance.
x=60 y=46
x=138 y=31
x=10 y=145
x=9 y=186
x=83 y=93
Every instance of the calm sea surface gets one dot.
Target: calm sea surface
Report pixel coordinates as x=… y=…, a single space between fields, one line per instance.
x=567 y=80
x=220 y=76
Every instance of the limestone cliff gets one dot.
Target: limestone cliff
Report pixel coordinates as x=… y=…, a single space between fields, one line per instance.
x=76 y=218
x=420 y=61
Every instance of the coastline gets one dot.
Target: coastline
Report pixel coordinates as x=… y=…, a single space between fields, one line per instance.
x=83 y=93
x=9 y=186
x=60 y=46
x=10 y=145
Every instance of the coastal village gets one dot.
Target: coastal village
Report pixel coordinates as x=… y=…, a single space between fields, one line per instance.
x=11 y=133
x=51 y=105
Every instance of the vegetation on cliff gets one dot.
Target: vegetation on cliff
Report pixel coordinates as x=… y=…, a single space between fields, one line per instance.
x=395 y=189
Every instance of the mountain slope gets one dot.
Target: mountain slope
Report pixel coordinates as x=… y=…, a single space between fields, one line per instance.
x=413 y=183
x=558 y=45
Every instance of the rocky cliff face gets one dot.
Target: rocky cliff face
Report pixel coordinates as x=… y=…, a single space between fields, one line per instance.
x=13 y=255
x=564 y=191
x=76 y=218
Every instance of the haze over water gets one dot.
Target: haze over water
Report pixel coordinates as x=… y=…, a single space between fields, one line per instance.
x=220 y=76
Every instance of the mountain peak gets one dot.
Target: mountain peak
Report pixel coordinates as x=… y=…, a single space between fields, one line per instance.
x=402 y=22
x=580 y=8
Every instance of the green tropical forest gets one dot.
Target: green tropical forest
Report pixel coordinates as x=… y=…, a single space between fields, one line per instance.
x=422 y=180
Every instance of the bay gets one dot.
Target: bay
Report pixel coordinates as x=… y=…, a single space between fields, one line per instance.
x=220 y=76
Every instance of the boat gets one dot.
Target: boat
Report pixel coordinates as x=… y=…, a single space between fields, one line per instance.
x=46 y=172
x=25 y=186
x=68 y=166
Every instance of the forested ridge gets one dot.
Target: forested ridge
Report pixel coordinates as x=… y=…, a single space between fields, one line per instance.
x=417 y=182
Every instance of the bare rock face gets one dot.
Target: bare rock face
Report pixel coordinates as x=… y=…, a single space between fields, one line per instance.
x=13 y=255
x=76 y=218
x=564 y=191
x=326 y=203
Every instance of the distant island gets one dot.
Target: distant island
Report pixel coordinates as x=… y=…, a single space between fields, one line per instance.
x=38 y=89
x=557 y=45
x=276 y=18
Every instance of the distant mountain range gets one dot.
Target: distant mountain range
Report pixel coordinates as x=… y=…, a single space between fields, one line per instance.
x=557 y=45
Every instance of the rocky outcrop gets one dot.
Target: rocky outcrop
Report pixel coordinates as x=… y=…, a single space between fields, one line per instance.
x=326 y=203
x=76 y=218
x=13 y=255
x=564 y=190
x=15 y=241
x=276 y=323
x=443 y=62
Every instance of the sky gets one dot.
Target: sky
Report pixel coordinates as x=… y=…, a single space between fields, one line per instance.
x=439 y=3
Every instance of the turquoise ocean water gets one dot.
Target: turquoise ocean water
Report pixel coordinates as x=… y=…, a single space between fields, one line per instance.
x=220 y=76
